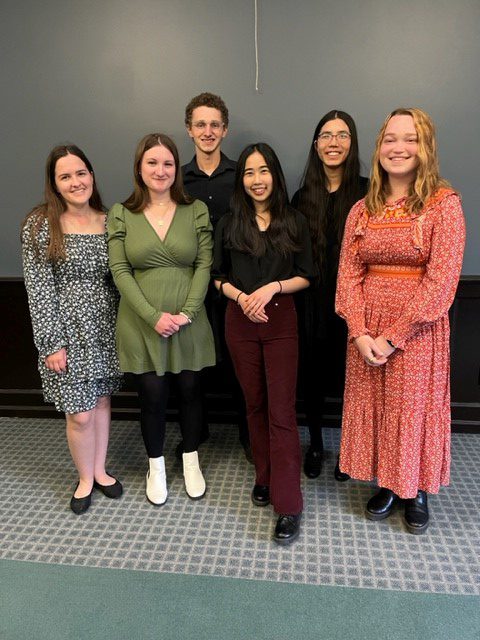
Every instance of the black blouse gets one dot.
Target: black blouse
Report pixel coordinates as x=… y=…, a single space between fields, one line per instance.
x=248 y=273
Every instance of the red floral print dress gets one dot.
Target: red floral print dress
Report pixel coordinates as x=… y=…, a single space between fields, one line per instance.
x=397 y=277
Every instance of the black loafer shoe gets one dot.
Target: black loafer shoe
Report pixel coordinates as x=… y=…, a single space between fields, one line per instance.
x=312 y=465
x=80 y=505
x=416 y=513
x=261 y=495
x=380 y=505
x=287 y=529
x=339 y=475
x=113 y=491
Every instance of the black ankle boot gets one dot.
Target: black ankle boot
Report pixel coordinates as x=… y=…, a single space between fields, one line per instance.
x=380 y=505
x=339 y=475
x=312 y=465
x=416 y=513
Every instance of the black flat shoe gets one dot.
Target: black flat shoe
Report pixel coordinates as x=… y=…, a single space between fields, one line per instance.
x=339 y=475
x=380 y=505
x=287 y=529
x=416 y=513
x=261 y=495
x=312 y=465
x=113 y=491
x=80 y=505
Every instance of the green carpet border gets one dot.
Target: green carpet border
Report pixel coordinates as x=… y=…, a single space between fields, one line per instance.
x=58 y=602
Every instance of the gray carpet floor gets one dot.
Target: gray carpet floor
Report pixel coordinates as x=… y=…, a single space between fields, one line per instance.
x=225 y=534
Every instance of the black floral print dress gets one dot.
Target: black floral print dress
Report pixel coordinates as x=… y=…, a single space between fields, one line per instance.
x=73 y=304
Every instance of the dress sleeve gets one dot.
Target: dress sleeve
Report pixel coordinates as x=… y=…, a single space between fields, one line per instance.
x=203 y=261
x=122 y=270
x=48 y=330
x=436 y=292
x=349 y=300
x=221 y=256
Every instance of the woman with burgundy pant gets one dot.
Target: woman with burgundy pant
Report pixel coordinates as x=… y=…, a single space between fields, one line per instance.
x=262 y=255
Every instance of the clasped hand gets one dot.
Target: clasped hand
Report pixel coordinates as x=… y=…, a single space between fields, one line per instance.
x=169 y=323
x=253 y=305
x=375 y=351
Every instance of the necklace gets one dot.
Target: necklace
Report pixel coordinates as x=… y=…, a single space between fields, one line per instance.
x=160 y=221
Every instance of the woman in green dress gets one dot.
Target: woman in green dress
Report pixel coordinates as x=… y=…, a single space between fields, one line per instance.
x=160 y=247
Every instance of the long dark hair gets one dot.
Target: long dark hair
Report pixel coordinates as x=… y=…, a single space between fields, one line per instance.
x=140 y=197
x=54 y=204
x=314 y=194
x=243 y=233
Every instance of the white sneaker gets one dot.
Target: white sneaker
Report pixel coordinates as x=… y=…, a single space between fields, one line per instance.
x=156 y=489
x=194 y=481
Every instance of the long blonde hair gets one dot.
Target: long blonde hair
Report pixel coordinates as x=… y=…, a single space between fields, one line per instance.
x=427 y=180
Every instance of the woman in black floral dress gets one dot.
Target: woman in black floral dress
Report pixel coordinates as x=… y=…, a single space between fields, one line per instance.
x=72 y=303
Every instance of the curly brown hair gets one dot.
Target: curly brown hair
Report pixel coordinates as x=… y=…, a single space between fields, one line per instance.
x=206 y=99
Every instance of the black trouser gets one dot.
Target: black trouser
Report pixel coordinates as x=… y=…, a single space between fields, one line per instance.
x=153 y=393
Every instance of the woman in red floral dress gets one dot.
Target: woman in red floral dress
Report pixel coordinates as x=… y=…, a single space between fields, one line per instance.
x=399 y=268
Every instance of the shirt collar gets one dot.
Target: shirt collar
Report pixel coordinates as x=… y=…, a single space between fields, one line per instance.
x=226 y=164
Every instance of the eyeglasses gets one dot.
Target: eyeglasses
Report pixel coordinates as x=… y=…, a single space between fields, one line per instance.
x=326 y=136
x=214 y=125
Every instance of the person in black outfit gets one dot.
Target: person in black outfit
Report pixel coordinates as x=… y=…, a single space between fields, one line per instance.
x=210 y=177
x=262 y=255
x=330 y=186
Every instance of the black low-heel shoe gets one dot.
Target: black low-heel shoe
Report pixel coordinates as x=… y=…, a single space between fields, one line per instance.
x=261 y=495
x=380 y=505
x=339 y=475
x=113 y=491
x=416 y=513
x=80 y=505
x=312 y=466
x=287 y=529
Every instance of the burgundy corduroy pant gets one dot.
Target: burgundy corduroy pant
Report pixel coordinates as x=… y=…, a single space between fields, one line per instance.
x=265 y=357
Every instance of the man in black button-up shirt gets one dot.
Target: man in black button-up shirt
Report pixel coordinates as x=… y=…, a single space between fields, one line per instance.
x=210 y=177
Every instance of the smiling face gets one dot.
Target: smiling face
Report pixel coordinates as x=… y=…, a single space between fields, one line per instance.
x=333 y=143
x=398 y=154
x=73 y=181
x=207 y=129
x=157 y=170
x=258 y=180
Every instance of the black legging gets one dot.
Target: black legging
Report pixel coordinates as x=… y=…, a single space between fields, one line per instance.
x=153 y=392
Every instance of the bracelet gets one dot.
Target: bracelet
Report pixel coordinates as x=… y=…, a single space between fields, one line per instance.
x=236 y=299
x=281 y=288
x=185 y=316
x=390 y=343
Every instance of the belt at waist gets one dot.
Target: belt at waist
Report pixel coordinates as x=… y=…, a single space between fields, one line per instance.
x=395 y=271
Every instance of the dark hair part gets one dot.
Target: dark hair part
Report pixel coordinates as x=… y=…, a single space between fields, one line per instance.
x=140 y=197
x=206 y=99
x=54 y=204
x=314 y=193
x=243 y=233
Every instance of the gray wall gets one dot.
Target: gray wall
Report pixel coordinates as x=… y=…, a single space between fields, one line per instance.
x=103 y=73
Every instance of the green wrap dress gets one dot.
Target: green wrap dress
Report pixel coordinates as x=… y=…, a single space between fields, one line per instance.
x=155 y=276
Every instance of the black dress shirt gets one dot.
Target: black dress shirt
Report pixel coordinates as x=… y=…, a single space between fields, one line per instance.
x=215 y=190
x=248 y=273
